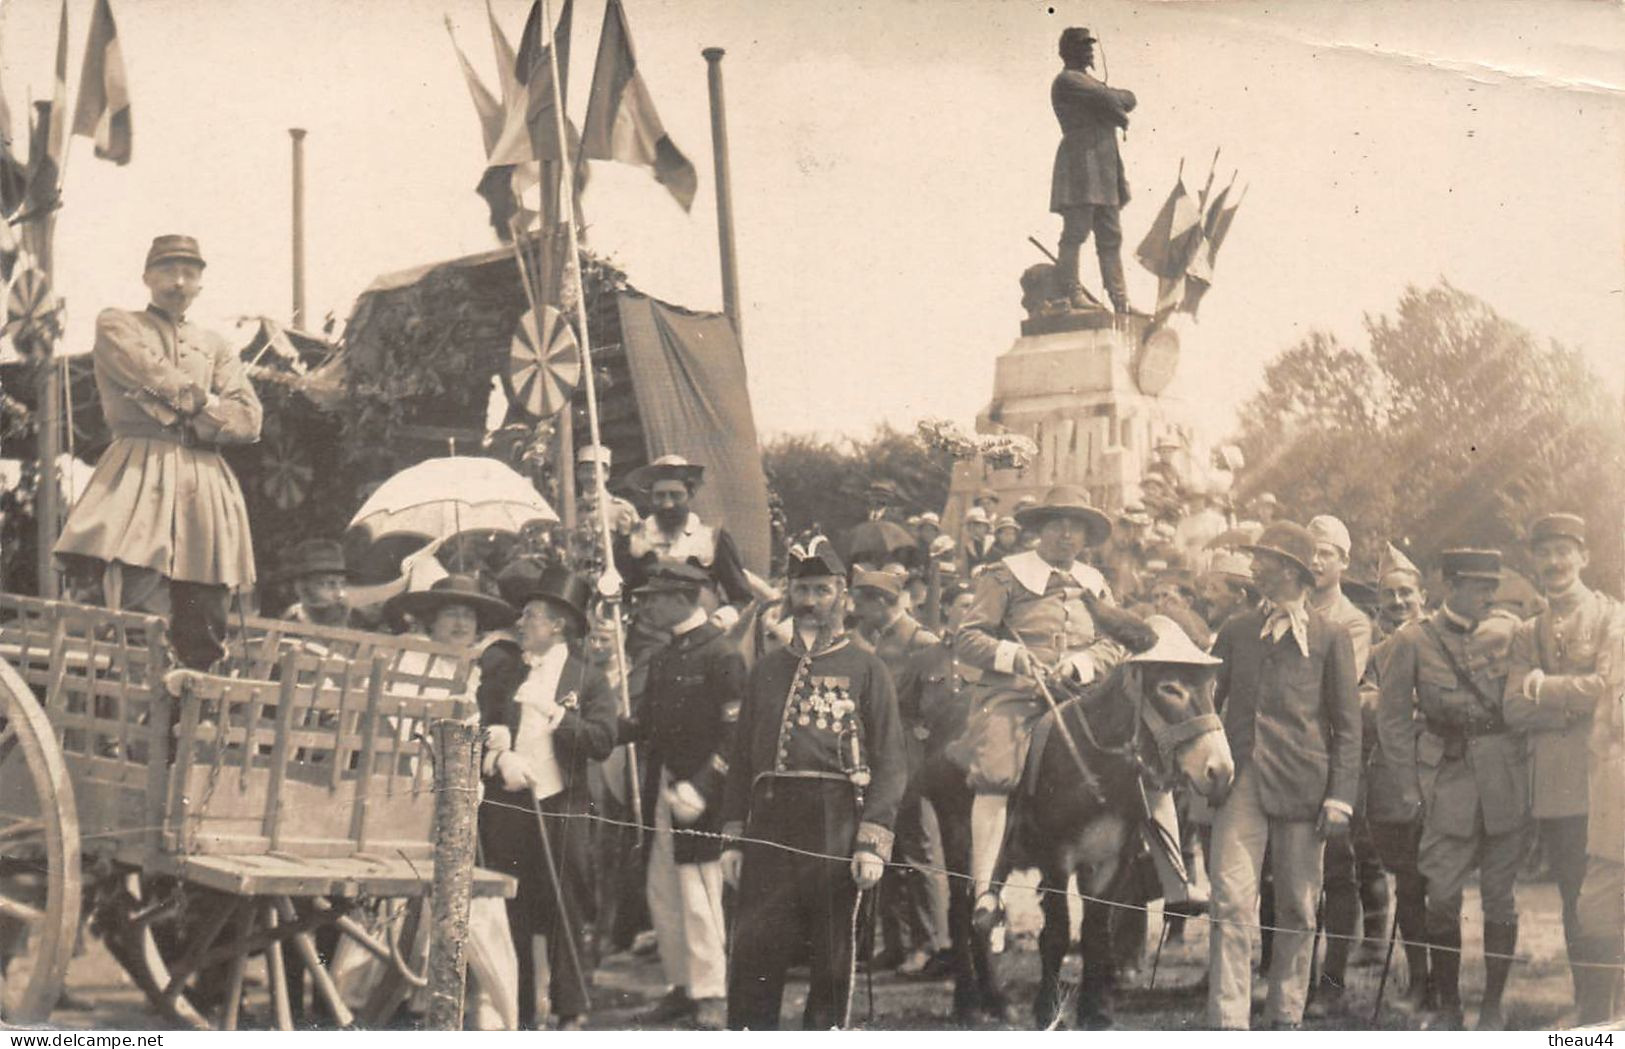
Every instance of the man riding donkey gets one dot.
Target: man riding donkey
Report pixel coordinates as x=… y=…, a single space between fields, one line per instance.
x=1043 y=620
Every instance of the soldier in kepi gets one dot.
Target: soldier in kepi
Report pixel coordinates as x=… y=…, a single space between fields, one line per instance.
x=1559 y=675
x=1039 y=616
x=1464 y=772
x=162 y=520
x=1088 y=187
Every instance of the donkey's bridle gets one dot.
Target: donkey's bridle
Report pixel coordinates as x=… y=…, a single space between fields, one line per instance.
x=1167 y=736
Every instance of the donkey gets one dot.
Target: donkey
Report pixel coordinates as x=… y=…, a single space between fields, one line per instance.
x=1149 y=724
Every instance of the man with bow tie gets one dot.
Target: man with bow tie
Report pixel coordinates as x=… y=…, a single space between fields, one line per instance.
x=1455 y=762
x=817 y=773
x=1287 y=692
x=1561 y=661
x=547 y=713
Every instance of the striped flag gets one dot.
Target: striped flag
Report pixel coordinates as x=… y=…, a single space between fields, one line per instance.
x=485 y=104
x=622 y=123
x=1215 y=226
x=103 y=112
x=1170 y=244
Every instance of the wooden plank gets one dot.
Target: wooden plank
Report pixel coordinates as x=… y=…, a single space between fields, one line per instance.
x=319 y=975
x=276 y=974
x=179 y=804
x=363 y=780
x=234 y=975
x=340 y=753
x=279 y=752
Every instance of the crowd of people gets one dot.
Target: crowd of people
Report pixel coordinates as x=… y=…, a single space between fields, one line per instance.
x=762 y=740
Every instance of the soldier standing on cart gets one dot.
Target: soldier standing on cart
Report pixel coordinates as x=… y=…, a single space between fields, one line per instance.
x=819 y=768
x=162 y=518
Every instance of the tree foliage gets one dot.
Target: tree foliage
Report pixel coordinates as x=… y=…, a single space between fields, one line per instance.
x=822 y=483
x=1453 y=426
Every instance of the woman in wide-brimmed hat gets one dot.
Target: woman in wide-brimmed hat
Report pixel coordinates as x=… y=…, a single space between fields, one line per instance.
x=454 y=611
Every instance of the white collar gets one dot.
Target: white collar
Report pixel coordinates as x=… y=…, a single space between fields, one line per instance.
x=695 y=620
x=555 y=655
x=1033 y=572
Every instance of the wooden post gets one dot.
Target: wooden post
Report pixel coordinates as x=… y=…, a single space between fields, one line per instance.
x=454 y=811
x=48 y=445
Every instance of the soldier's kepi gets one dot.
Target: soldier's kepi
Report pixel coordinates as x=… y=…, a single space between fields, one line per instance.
x=817 y=775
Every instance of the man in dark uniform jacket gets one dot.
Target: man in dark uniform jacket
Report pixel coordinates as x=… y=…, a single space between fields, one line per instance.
x=547 y=712
x=913 y=898
x=690 y=707
x=1088 y=188
x=818 y=771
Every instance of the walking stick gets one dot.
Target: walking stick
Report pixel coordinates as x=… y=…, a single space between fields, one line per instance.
x=1387 y=962
x=852 y=963
x=558 y=897
x=1156 y=959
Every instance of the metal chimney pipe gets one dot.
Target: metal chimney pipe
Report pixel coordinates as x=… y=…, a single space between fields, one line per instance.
x=298 y=136
x=725 y=211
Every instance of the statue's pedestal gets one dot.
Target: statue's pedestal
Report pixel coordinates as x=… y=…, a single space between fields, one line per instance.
x=1070 y=383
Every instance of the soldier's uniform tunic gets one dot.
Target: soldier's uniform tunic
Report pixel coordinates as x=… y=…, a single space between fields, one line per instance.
x=810 y=721
x=1570 y=643
x=1464 y=769
x=916 y=899
x=689 y=712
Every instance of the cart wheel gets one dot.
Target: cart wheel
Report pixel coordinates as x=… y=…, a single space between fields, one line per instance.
x=142 y=953
x=39 y=857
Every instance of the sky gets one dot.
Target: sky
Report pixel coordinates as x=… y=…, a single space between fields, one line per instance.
x=890 y=159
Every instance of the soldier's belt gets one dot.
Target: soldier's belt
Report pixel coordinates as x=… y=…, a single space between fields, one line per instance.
x=1456 y=737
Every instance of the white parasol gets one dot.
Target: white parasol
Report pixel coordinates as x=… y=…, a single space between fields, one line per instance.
x=439 y=498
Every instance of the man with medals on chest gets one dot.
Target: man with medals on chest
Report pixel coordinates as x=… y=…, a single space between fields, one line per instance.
x=817 y=773
x=1464 y=772
x=1558 y=675
x=547 y=713
x=1040 y=613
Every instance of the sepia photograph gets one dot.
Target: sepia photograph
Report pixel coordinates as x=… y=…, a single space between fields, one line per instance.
x=888 y=515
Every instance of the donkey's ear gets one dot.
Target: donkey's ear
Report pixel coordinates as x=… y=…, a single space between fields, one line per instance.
x=1124 y=627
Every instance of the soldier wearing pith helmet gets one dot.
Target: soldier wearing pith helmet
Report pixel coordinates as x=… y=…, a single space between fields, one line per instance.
x=1561 y=660
x=1463 y=771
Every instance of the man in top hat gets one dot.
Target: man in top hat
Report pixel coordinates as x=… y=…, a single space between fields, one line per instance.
x=1292 y=716
x=1088 y=187
x=162 y=519
x=690 y=708
x=1561 y=660
x=818 y=770
x=674 y=532
x=1395 y=823
x=547 y=713
x=317 y=572
x=1464 y=771
x=975 y=541
x=913 y=899
x=1044 y=613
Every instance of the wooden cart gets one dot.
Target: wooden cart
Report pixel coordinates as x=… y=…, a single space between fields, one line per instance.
x=206 y=821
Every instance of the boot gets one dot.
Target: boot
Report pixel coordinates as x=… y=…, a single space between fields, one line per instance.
x=1418 y=996
x=1597 y=979
x=1500 y=942
x=1111 y=276
x=1066 y=269
x=1444 y=975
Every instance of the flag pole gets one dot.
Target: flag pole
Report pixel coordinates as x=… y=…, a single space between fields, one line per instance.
x=609 y=581
x=725 y=209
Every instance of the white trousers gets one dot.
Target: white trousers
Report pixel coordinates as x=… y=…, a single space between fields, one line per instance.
x=685 y=907
x=1241 y=832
